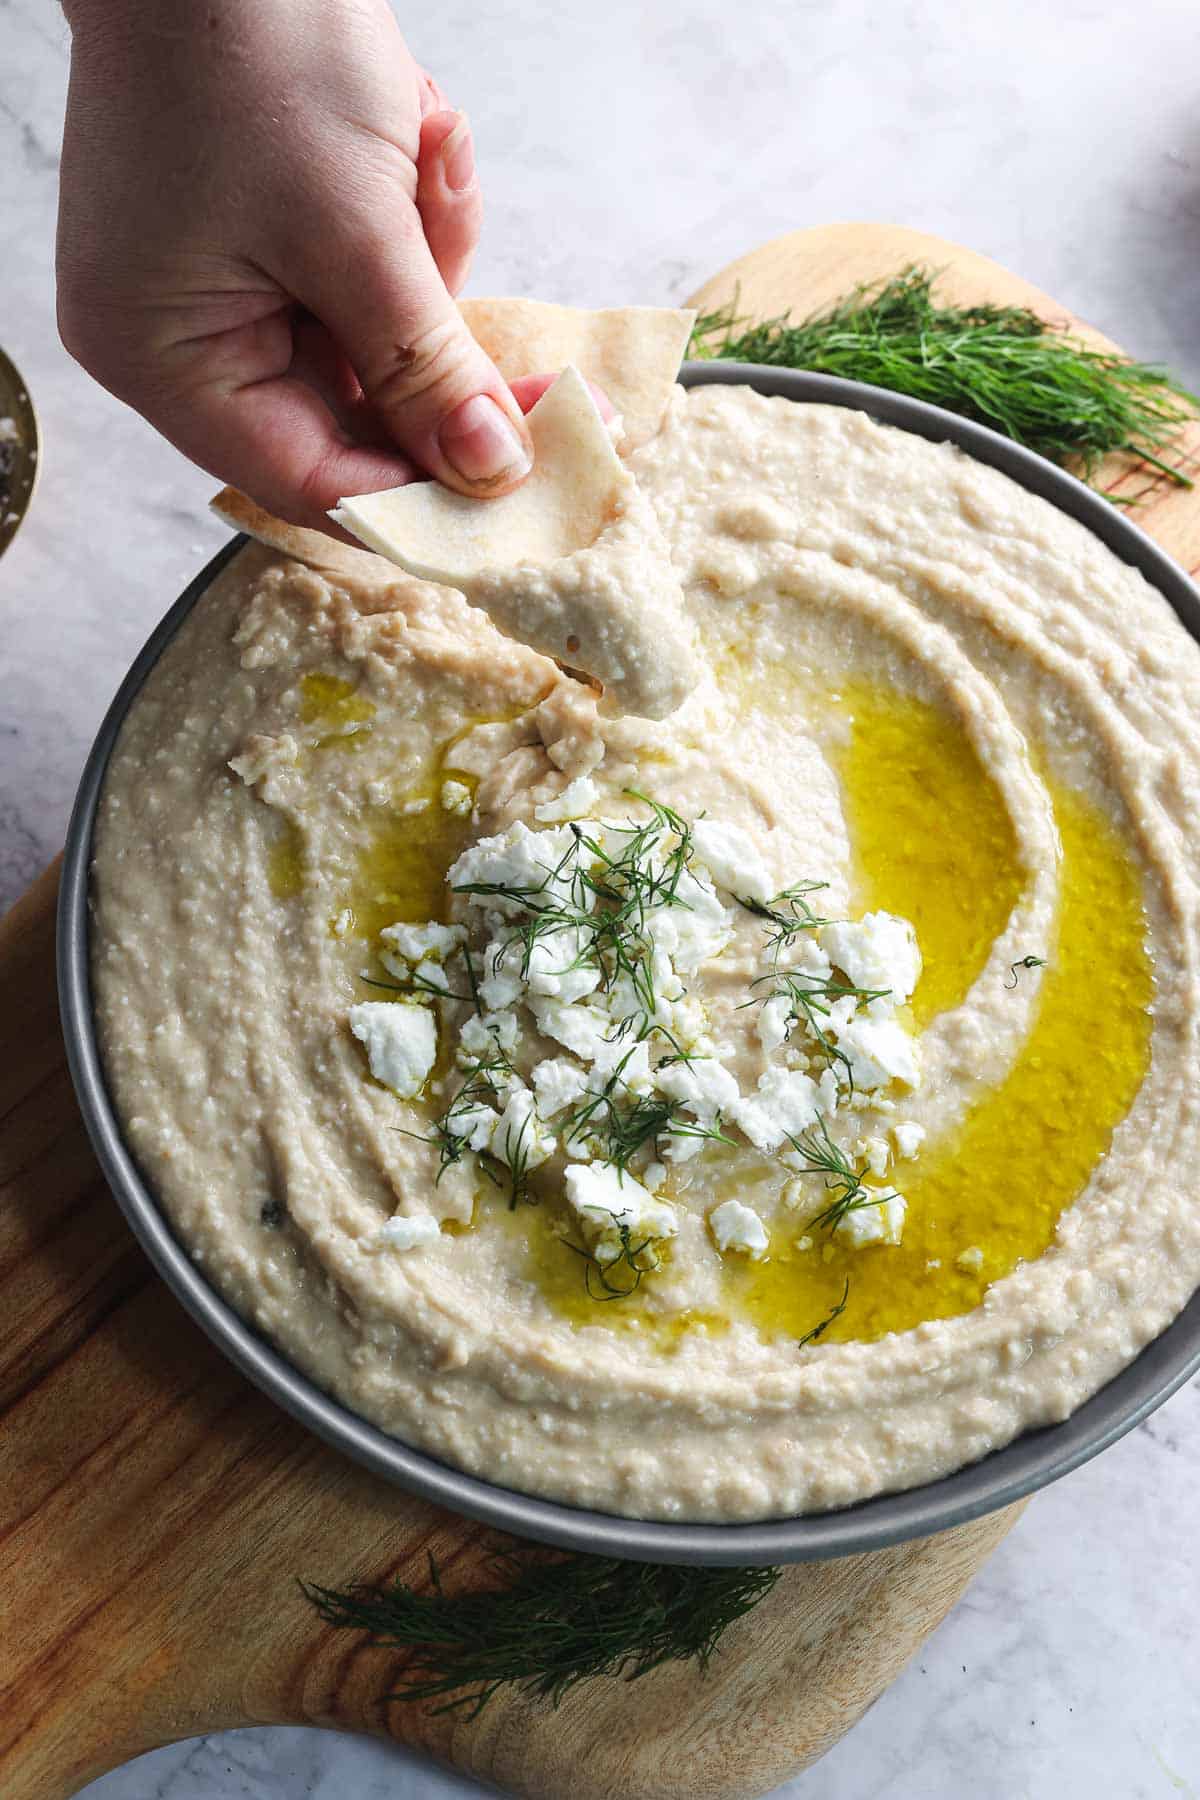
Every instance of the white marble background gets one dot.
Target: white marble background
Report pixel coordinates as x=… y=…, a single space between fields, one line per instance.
x=628 y=150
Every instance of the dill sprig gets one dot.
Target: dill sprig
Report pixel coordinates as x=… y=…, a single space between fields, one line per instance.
x=834 y=1313
x=601 y=1272
x=621 y=1122
x=788 y=914
x=1023 y=962
x=601 y=893
x=553 y=1622
x=811 y=998
x=843 y=1179
x=1002 y=366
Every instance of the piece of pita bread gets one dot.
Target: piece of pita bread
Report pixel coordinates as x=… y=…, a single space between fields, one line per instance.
x=632 y=352
x=562 y=506
x=312 y=547
x=613 y=606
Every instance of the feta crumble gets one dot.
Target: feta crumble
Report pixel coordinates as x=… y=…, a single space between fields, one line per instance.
x=456 y=797
x=605 y=1198
x=881 y=1222
x=400 y=1040
x=733 y=859
x=575 y=801
x=738 y=1227
x=877 y=951
x=401 y=1233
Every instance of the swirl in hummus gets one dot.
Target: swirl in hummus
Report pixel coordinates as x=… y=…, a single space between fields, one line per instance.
x=917 y=686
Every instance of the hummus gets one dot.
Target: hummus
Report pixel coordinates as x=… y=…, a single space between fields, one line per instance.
x=920 y=688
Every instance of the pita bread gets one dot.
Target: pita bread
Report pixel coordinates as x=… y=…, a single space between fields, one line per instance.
x=312 y=547
x=561 y=507
x=632 y=352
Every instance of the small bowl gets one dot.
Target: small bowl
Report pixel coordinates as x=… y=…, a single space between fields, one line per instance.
x=1029 y=1462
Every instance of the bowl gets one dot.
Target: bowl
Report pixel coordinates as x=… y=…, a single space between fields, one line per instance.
x=1029 y=1462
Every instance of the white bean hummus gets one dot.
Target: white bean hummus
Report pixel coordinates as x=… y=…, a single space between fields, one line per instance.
x=720 y=1117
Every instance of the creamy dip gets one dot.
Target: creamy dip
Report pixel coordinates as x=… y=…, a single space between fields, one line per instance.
x=923 y=689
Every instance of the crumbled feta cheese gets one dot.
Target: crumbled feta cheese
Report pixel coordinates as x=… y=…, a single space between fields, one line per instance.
x=785 y=1102
x=412 y=807
x=485 y=1033
x=518 y=1137
x=773 y=1020
x=401 y=1233
x=653 y=1176
x=576 y=799
x=604 y=1198
x=878 y=1050
x=428 y=975
x=703 y=1087
x=520 y=859
x=877 y=951
x=629 y=1057
x=681 y=1146
x=695 y=930
x=804 y=1243
x=557 y=1082
x=581 y=1028
x=877 y=1152
x=400 y=1041
x=732 y=858
x=502 y=983
x=970 y=1261
x=456 y=797
x=474 y=1124
x=559 y=965
x=423 y=943
x=738 y=1227
x=343 y=924
x=879 y=1223
x=909 y=1137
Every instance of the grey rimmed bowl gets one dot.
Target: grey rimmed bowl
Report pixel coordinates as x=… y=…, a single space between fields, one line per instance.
x=1006 y=1475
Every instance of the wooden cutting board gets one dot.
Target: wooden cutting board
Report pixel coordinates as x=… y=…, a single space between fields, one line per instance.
x=156 y=1511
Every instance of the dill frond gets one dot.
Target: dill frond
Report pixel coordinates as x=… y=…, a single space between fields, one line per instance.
x=1002 y=366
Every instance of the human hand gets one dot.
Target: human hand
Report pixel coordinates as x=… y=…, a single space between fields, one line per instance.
x=266 y=208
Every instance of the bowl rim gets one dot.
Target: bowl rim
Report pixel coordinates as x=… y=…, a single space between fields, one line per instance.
x=1005 y=1475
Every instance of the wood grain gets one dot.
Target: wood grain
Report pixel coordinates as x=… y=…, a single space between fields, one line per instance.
x=156 y=1511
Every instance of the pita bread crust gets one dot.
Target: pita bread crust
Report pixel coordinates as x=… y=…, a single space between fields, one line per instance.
x=632 y=352
x=314 y=548
x=563 y=506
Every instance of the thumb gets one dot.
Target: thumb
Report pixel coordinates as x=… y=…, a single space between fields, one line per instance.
x=435 y=392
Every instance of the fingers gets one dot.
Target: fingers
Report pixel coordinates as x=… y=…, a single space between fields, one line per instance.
x=374 y=283
x=236 y=404
x=448 y=194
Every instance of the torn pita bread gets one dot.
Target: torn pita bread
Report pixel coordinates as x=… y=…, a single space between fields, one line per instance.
x=572 y=562
x=315 y=548
x=562 y=506
x=632 y=352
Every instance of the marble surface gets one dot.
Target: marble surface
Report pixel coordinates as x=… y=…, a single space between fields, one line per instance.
x=628 y=151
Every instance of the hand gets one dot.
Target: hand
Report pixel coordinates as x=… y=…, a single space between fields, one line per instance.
x=266 y=208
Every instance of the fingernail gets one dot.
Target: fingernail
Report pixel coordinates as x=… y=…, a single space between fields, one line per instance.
x=482 y=444
x=458 y=156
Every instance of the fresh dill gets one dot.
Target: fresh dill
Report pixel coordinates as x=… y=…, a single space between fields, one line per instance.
x=620 y=1122
x=551 y=1622
x=630 y=1257
x=1002 y=366
x=818 y=1331
x=811 y=998
x=843 y=1179
x=485 y=1082
x=1023 y=962
x=601 y=894
x=788 y=914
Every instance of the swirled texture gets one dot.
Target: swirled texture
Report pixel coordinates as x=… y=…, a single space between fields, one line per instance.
x=924 y=688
